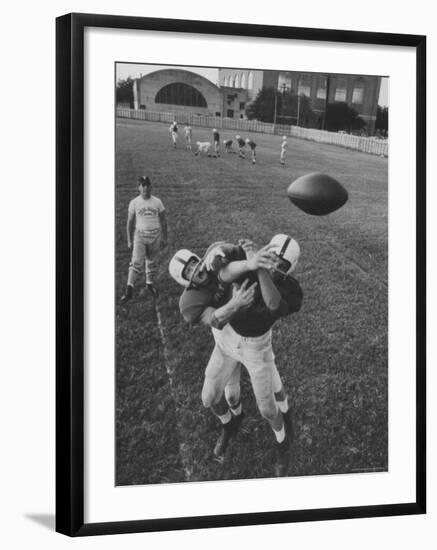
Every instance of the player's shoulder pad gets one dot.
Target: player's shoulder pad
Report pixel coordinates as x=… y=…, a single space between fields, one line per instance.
x=193 y=303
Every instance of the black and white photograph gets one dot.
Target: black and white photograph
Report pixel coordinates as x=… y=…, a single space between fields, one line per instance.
x=251 y=273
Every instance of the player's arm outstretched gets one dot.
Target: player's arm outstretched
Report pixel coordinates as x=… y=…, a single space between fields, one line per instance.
x=257 y=259
x=270 y=294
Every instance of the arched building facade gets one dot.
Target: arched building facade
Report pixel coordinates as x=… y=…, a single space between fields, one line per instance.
x=179 y=90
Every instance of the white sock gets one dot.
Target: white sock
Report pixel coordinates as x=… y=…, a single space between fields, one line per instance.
x=283 y=406
x=225 y=418
x=238 y=409
x=280 y=436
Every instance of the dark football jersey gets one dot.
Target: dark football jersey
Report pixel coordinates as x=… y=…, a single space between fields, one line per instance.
x=251 y=144
x=216 y=136
x=241 y=142
x=258 y=319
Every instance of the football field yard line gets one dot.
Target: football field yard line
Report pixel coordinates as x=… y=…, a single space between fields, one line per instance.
x=182 y=449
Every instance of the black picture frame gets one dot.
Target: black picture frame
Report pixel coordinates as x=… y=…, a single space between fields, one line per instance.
x=70 y=273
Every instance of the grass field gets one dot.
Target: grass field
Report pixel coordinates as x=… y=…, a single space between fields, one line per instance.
x=332 y=355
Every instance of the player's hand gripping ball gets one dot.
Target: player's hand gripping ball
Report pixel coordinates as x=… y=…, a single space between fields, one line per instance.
x=317 y=194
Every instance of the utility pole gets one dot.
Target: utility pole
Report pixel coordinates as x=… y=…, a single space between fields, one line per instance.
x=298 y=107
x=276 y=104
x=328 y=83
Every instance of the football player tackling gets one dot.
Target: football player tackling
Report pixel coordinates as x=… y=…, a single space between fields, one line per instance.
x=241 y=324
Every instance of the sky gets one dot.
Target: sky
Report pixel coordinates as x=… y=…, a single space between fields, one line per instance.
x=135 y=70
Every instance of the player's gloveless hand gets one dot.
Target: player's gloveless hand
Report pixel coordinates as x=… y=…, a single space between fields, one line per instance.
x=242 y=295
x=259 y=259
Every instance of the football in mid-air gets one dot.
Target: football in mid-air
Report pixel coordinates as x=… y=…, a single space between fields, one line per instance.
x=317 y=194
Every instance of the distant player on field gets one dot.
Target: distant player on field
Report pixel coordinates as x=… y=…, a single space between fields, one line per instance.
x=284 y=146
x=216 y=141
x=188 y=136
x=203 y=147
x=174 y=132
x=250 y=143
x=228 y=145
x=241 y=147
x=146 y=230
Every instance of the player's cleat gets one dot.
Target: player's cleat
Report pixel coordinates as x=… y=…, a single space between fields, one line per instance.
x=151 y=289
x=128 y=294
x=288 y=423
x=228 y=432
x=282 y=458
x=254 y=162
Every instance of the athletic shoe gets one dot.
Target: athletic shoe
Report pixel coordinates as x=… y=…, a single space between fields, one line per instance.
x=128 y=294
x=288 y=423
x=151 y=289
x=228 y=431
x=282 y=458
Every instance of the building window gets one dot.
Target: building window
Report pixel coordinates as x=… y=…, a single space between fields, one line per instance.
x=322 y=88
x=237 y=81
x=179 y=93
x=250 y=81
x=230 y=113
x=357 y=95
x=242 y=105
x=340 y=90
x=284 y=82
x=243 y=80
x=304 y=87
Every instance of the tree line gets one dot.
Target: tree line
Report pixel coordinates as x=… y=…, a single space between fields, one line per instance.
x=270 y=105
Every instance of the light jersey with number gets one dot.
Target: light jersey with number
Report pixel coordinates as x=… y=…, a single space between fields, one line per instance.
x=147 y=213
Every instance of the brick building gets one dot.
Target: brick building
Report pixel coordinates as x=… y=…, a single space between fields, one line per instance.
x=358 y=91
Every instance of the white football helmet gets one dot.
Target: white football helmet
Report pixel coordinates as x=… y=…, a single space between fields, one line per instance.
x=284 y=137
x=178 y=263
x=237 y=137
x=247 y=140
x=287 y=249
x=214 y=129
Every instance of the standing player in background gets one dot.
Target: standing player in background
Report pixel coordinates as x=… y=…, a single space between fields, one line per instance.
x=188 y=135
x=228 y=145
x=252 y=146
x=283 y=149
x=146 y=230
x=174 y=132
x=241 y=147
x=216 y=141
